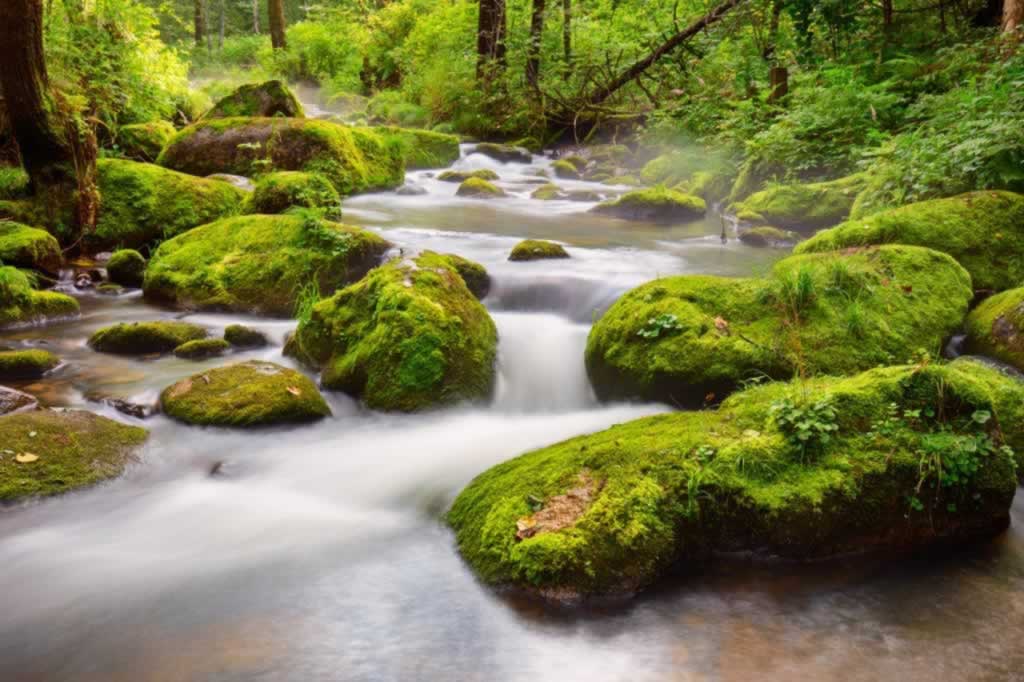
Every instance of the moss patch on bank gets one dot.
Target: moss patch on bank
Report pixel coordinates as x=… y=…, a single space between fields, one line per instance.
x=21 y=303
x=805 y=208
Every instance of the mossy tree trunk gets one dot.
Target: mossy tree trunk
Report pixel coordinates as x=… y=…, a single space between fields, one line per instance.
x=533 y=49
x=276 y=11
x=200 y=22
x=492 y=27
x=256 y=16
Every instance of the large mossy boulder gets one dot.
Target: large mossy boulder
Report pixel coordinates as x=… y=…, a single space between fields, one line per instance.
x=143 y=338
x=26 y=364
x=692 y=339
x=657 y=204
x=258 y=263
x=270 y=98
x=144 y=141
x=277 y=192
x=422 y=148
x=253 y=393
x=20 y=303
x=29 y=247
x=408 y=336
x=996 y=328
x=353 y=159
x=477 y=188
x=43 y=452
x=805 y=208
x=983 y=231
x=241 y=336
x=141 y=204
x=899 y=458
x=126 y=267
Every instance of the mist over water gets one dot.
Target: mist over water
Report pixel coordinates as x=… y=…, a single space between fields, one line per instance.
x=319 y=552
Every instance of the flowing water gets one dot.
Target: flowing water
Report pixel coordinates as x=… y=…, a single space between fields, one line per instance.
x=319 y=553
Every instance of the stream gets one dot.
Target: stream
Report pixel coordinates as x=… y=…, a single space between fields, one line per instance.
x=319 y=552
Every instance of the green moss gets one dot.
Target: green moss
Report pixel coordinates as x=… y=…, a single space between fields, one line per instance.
x=996 y=328
x=563 y=168
x=537 y=249
x=408 y=336
x=688 y=339
x=144 y=141
x=981 y=230
x=126 y=267
x=548 y=192
x=708 y=185
x=615 y=154
x=667 y=491
x=240 y=336
x=462 y=176
x=624 y=180
x=353 y=159
x=479 y=189
x=765 y=236
x=13 y=183
x=803 y=207
x=476 y=277
x=141 y=338
x=253 y=393
x=26 y=364
x=423 y=148
x=74 y=449
x=657 y=204
x=584 y=195
x=20 y=303
x=259 y=263
x=271 y=98
x=29 y=247
x=200 y=349
x=141 y=204
x=503 y=152
x=277 y=192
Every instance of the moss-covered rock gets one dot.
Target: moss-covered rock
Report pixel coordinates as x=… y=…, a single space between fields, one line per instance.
x=141 y=203
x=259 y=263
x=20 y=303
x=565 y=169
x=710 y=186
x=479 y=189
x=144 y=141
x=423 y=148
x=253 y=393
x=353 y=159
x=270 y=98
x=614 y=154
x=996 y=328
x=14 y=183
x=408 y=336
x=802 y=207
x=277 y=192
x=29 y=247
x=201 y=349
x=612 y=512
x=694 y=338
x=48 y=453
x=504 y=152
x=657 y=204
x=240 y=336
x=461 y=176
x=983 y=231
x=142 y=338
x=126 y=267
x=537 y=249
x=765 y=236
x=26 y=364
x=476 y=277
x=548 y=192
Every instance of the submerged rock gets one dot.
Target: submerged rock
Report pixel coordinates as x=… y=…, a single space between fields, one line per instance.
x=141 y=204
x=996 y=328
x=771 y=237
x=408 y=336
x=537 y=249
x=504 y=153
x=270 y=98
x=612 y=512
x=240 y=336
x=126 y=267
x=278 y=192
x=411 y=191
x=202 y=349
x=981 y=230
x=143 y=338
x=259 y=263
x=462 y=176
x=479 y=189
x=548 y=192
x=29 y=247
x=26 y=364
x=144 y=141
x=132 y=408
x=12 y=401
x=691 y=339
x=21 y=304
x=44 y=452
x=805 y=208
x=658 y=204
x=253 y=393
x=353 y=159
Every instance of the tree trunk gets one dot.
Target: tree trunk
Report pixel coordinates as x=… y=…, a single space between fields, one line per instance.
x=1013 y=15
x=567 y=35
x=200 y=22
x=256 y=16
x=773 y=31
x=490 y=38
x=220 y=36
x=779 y=76
x=276 y=12
x=533 y=49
